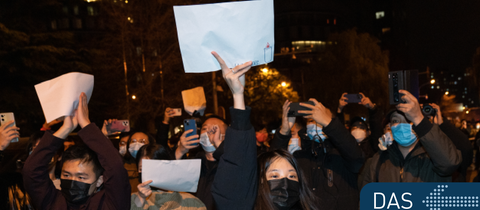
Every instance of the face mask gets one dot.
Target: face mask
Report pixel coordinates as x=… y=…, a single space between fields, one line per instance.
x=293 y=145
x=403 y=134
x=284 y=193
x=123 y=150
x=75 y=192
x=206 y=144
x=134 y=147
x=315 y=132
x=359 y=134
x=261 y=137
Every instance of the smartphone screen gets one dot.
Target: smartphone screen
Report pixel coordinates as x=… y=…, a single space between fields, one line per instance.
x=7 y=117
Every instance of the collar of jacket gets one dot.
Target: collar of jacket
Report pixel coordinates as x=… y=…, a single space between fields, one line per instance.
x=417 y=150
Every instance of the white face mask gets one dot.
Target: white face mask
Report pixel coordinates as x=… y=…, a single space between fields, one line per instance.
x=123 y=150
x=206 y=143
x=134 y=147
x=315 y=132
x=359 y=134
x=293 y=145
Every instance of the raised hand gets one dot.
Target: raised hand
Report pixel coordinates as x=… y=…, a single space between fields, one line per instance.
x=105 y=125
x=438 y=119
x=342 y=102
x=69 y=124
x=319 y=113
x=7 y=134
x=287 y=122
x=185 y=144
x=366 y=102
x=82 y=110
x=235 y=79
x=411 y=108
x=169 y=112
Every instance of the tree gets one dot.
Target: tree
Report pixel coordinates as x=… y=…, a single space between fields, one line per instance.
x=352 y=62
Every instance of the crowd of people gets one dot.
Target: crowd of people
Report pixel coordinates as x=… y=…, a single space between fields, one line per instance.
x=318 y=161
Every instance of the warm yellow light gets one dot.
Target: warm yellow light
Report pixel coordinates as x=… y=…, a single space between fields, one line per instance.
x=265 y=70
x=467 y=112
x=134 y=97
x=463 y=108
x=432 y=81
x=446 y=93
x=284 y=84
x=126 y=1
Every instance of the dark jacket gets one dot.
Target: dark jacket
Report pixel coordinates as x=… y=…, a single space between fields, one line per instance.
x=433 y=159
x=332 y=176
x=236 y=183
x=461 y=142
x=115 y=193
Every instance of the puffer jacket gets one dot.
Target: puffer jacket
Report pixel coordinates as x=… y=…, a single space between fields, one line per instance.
x=433 y=159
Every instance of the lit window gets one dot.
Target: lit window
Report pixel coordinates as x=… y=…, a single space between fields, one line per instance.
x=472 y=102
x=433 y=87
x=444 y=79
x=463 y=96
x=459 y=78
x=465 y=88
x=380 y=15
x=77 y=23
x=385 y=30
x=438 y=87
x=455 y=82
x=452 y=75
x=431 y=76
x=91 y=11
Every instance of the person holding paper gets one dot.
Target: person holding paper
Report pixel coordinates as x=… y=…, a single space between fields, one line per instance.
x=151 y=198
x=92 y=176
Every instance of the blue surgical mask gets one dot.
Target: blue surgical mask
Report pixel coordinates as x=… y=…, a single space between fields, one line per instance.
x=315 y=132
x=403 y=134
x=293 y=145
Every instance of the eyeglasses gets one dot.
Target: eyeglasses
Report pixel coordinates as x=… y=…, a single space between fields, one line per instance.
x=139 y=140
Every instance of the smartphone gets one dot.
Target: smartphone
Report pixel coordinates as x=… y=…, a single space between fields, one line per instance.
x=354 y=98
x=7 y=117
x=177 y=111
x=190 y=124
x=119 y=126
x=295 y=107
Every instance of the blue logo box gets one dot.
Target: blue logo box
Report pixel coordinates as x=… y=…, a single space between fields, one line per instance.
x=420 y=196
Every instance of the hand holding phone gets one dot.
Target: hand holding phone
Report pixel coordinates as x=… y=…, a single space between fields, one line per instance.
x=295 y=107
x=8 y=130
x=190 y=124
x=118 y=126
x=354 y=98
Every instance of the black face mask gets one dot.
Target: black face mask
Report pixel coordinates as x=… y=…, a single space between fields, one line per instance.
x=75 y=192
x=285 y=193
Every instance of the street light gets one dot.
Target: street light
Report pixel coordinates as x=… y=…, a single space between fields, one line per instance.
x=265 y=70
x=446 y=93
x=284 y=84
x=134 y=97
x=432 y=81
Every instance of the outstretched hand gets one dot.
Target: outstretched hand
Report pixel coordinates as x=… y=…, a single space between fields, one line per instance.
x=411 y=108
x=366 y=102
x=287 y=122
x=319 y=113
x=235 y=79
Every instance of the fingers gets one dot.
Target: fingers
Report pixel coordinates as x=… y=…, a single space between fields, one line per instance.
x=314 y=101
x=187 y=132
x=408 y=97
x=146 y=182
x=224 y=66
x=191 y=137
x=305 y=111
x=7 y=124
x=343 y=95
x=242 y=69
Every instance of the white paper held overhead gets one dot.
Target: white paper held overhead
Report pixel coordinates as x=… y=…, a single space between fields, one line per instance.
x=174 y=175
x=59 y=96
x=194 y=100
x=237 y=31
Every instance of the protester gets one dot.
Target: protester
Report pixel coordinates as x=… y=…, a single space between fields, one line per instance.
x=236 y=182
x=211 y=137
x=421 y=152
x=459 y=139
x=8 y=132
x=299 y=135
x=262 y=140
x=151 y=198
x=134 y=142
x=366 y=135
x=330 y=157
x=92 y=177
x=164 y=127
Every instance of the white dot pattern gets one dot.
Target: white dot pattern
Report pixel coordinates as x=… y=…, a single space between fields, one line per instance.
x=436 y=201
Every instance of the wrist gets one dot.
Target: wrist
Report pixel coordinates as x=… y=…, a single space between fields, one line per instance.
x=84 y=124
x=238 y=101
x=326 y=122
x=284 y=131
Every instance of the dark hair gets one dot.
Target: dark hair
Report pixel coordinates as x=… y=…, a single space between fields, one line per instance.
x=388 y=117
x=264 y=201
x=128 y=157
x=85 y=155
x=154 y=152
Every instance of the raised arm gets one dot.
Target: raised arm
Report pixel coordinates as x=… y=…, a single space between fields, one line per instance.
x=235 y=184
x=280 y=139
x=35 y=171
x=115 y=184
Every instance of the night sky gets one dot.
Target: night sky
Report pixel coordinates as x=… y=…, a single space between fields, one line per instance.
x=443 y=34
